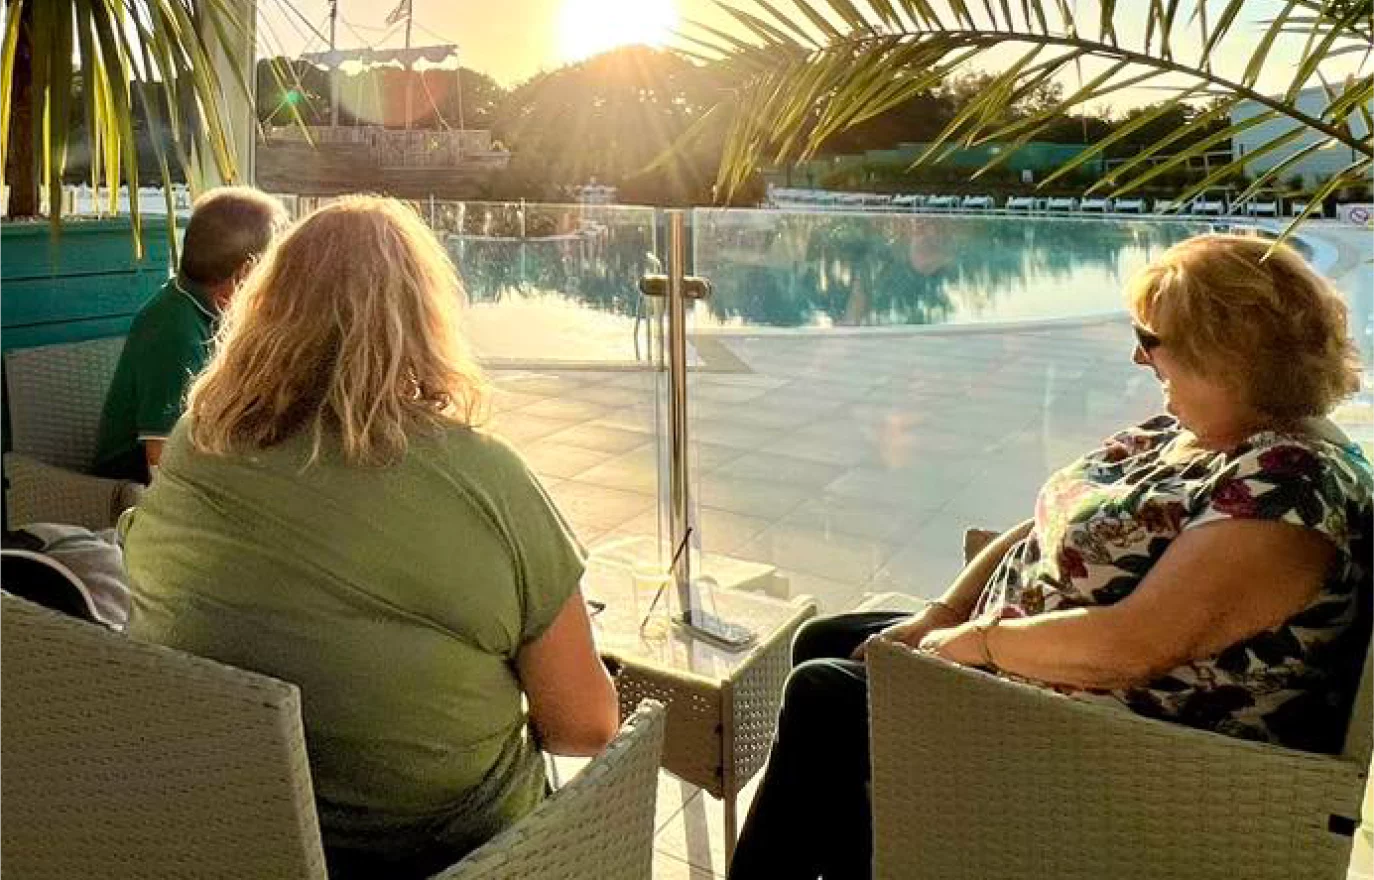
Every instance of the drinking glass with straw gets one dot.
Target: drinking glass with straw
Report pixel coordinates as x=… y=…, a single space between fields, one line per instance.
x=664 y=578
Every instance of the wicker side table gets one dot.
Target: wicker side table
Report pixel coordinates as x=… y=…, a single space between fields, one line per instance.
x=722 y=706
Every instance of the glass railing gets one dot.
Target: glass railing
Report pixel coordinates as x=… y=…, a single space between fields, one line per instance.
x=862 y=387
x=871 y=385
x=575 y=353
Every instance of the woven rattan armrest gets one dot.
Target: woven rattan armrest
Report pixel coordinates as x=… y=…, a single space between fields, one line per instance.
x=975 y=776
x=40 y=492
x=600 y=826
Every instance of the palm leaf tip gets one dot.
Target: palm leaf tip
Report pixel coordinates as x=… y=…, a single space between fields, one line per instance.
x=844 y=94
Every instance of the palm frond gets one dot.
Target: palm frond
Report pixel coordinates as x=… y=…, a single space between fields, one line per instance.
x=9 y=48
x=140 y=63
x=1317 y=50
x=1237 y=166
x=1353 y=171
x=837 y=63
x=1102 y=146
x=1276 y=172
x=1260 y=55
x=1223 y=26
x=1153 y=156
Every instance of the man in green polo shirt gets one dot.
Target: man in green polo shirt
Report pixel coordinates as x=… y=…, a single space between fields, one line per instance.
x=169 y=341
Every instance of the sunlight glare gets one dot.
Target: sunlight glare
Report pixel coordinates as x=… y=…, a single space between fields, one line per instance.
x=588 y=27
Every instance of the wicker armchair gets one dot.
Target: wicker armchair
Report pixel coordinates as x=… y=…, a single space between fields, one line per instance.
x=977 y=777
x=600 y=826
x=54 y=394
x=128 y=760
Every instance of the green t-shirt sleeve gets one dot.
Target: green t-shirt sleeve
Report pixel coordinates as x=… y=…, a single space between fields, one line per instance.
x=549 y=558
x=165 y=363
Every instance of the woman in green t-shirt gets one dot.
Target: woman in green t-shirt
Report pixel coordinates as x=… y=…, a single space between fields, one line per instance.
x=327 y=513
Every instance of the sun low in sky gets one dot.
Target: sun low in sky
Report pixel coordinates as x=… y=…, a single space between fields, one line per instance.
x=587 y=27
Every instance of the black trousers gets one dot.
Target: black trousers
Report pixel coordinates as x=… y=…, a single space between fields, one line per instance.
x=811 y=816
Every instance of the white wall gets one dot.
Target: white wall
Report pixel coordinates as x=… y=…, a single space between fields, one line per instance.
x=1320 y=164
x=240 y=113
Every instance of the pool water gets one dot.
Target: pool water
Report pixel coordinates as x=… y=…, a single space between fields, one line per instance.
x=800 y=269
x=791 y=270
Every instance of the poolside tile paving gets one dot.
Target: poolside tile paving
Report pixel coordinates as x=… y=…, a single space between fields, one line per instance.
x=850 y=463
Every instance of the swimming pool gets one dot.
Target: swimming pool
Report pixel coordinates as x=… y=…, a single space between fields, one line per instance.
x=814 y=269
x=785 y=269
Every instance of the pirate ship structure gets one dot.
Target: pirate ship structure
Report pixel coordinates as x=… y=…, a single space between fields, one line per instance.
x=378 y=138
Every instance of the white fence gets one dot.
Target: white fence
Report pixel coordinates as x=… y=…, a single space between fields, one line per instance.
x=1211 y=205
x=82 y=200
x=398 y=148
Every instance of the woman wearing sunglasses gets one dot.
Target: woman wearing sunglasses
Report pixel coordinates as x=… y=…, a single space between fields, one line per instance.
x=1209 y=567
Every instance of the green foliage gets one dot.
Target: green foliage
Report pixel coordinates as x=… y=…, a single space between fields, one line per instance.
x=524 y=178
x=377 y=96
x=144 y=64
x=799 y=79
x=612 y=117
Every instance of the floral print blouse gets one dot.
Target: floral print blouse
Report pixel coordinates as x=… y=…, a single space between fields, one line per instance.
x=1104 y=520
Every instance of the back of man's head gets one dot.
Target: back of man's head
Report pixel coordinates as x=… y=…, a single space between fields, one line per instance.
x=229 y=227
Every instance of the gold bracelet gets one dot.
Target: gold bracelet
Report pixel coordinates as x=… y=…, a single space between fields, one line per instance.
x=985 y=629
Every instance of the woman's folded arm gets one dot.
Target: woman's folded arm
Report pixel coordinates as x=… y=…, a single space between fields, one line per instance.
x=1216 y=585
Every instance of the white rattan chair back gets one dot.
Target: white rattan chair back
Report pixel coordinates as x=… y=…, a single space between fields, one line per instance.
x=957 y=754
x=960 y=757
x=128 y=760
x=55 y=394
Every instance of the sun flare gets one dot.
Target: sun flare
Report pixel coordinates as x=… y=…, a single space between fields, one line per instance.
x=587 y=27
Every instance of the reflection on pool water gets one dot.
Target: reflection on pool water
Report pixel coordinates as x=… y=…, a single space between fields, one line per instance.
x=795 y=269
x=860 y=270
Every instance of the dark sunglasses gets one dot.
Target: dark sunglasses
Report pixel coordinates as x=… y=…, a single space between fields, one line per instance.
x=1145 y=339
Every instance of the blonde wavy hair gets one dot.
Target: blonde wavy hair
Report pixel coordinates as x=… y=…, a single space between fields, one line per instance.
x=351 y=326
x=1261 y=321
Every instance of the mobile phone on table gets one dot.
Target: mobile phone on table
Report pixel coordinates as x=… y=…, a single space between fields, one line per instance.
x=721 y=633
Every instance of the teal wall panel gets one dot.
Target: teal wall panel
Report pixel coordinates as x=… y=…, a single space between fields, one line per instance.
x=31 y=250
x=83 y=283
x=30 y=301
x=67 y=331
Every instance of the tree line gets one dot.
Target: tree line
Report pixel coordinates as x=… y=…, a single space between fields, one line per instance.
x=620 y=118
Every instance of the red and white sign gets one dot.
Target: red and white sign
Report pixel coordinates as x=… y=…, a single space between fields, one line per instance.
x=1360 y=214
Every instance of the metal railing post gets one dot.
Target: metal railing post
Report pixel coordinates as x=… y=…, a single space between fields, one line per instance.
x=677 y=288
x=679 y=460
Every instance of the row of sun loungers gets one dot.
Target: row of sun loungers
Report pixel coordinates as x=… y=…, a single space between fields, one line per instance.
x=1203 y=206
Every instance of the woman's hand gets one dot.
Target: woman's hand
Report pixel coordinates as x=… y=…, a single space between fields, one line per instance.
x=911 y=631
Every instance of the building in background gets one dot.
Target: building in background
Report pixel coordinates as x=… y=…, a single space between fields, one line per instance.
x=372 y=148
x=1314 y=168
